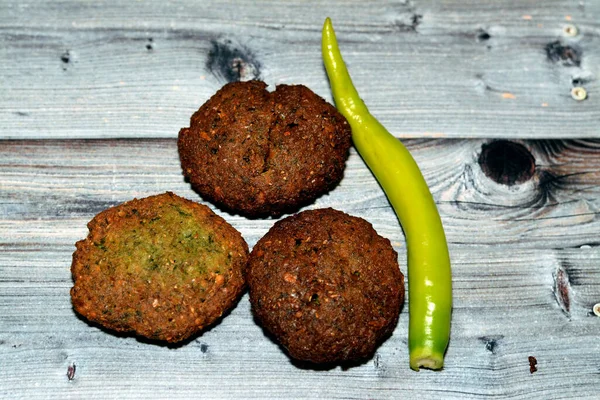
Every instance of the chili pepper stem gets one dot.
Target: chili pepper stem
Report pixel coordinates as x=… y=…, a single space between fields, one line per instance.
x=429 y=274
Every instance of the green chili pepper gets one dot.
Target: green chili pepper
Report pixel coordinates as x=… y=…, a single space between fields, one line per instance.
x=429 y=275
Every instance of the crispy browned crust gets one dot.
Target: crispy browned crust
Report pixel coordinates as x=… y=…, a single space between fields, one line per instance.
x=326 y=285
x=162 y=267
x=259 y=153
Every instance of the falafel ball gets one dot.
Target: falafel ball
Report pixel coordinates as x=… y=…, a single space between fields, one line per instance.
x=162 y=267
x=261 y=153
x=326 y=286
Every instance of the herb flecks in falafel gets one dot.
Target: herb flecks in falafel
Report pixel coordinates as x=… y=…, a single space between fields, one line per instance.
x=162 y=267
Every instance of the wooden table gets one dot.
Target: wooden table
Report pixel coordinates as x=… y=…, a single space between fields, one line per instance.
x=93 y=95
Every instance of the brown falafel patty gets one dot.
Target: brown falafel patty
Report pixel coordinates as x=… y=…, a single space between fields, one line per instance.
x=326 y=285
x=261 y=153
x=162 y=267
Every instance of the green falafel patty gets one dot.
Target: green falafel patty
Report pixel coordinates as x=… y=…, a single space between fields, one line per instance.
x=162 y=267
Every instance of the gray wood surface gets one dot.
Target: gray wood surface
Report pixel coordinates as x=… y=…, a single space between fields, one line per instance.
x=526 y=276
x=427 y=68
x=92 y=95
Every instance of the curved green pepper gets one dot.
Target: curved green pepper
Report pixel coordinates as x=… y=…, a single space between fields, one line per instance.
x=429 y=274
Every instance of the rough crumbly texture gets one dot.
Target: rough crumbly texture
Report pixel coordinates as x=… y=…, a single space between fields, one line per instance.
x=261 y=153
x=326 y=285
x=162 y=267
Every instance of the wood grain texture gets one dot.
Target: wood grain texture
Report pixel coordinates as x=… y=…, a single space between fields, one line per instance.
x=525 y=268
x=425 y=68
x=454 y=74
x=79 y=178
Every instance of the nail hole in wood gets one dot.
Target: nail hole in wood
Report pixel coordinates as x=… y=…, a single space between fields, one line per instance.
x=570 y=30
x=578 y=93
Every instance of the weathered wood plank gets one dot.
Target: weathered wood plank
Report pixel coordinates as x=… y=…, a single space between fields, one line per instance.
x=426 y=68
x=525 y=267
x=504 y=312
x=557 y=207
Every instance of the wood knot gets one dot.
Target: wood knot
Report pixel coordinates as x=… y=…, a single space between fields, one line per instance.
x=482 y=35
x=232 y=61
x=492 y=342
x=506 y=162
x=569 y=56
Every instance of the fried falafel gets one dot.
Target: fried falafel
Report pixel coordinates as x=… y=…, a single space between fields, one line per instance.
x=162 y=267
x=261 y=153
x=326 y=286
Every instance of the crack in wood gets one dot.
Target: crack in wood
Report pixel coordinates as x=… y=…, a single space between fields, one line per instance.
x=562 y=290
